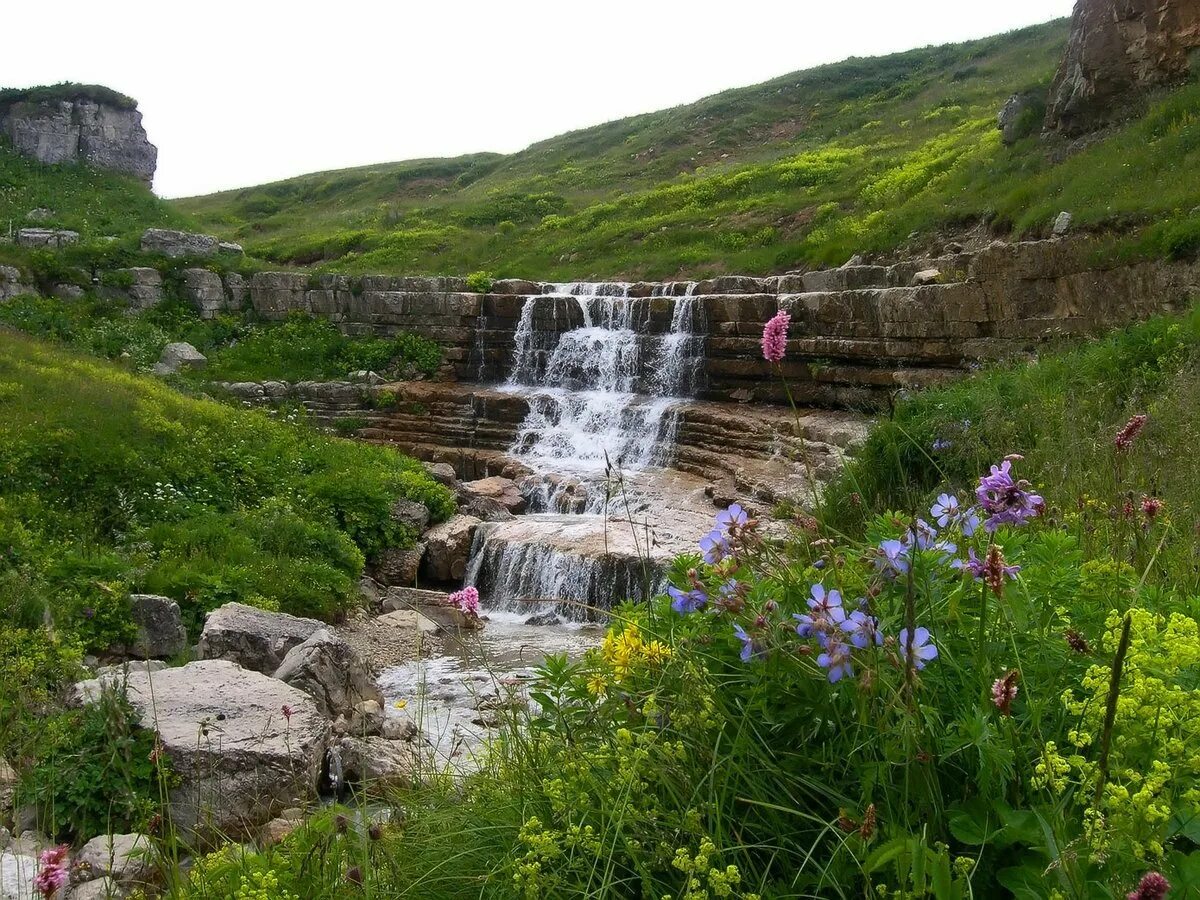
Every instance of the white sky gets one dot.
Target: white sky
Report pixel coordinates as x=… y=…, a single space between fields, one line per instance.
x=242 y=93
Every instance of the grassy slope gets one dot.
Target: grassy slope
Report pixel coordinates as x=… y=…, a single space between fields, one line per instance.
x=808 y=168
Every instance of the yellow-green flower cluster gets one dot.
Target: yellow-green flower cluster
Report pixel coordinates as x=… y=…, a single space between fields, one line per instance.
x=704 y=879
x=262 y=886
x=1154 y=758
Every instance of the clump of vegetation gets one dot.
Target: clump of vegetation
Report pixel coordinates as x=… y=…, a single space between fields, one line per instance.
x=66 y=90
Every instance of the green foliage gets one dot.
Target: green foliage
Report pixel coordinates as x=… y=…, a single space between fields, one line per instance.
x=94 y=771
x=480 y=282
x=66 y=90
x=110 y=483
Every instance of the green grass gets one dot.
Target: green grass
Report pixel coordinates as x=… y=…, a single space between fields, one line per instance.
x=809 y=168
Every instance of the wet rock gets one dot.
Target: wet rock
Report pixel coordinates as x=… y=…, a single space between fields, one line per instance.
x=253 y=638
x=399 y=727
x=515 y=286
x=394 y=566
x=178 y=244
x=503 y=491
x=160 y=631
x=331 y=672
x=448 y=548
x=238 y=757
x=546 y=618
x=177 y=356
x=127 y=858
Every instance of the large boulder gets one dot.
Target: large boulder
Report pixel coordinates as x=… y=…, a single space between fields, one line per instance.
x=331 y=672
x=395 y=566
x=448 y=548
x=1020 y=116
x=254 y=638
x=160 y=631
x=1117 y=49
x=17 y=871
x=145 y=287
x=11 y=284
x=177 y=356
x=178 y=244
x=377 y=761
x=53 y=238
x=410 y=514
x=127 y=858
x=243 y=745
x=205 y=291
x=503 y=491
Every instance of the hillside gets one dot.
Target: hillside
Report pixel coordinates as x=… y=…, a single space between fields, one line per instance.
x=756 y=179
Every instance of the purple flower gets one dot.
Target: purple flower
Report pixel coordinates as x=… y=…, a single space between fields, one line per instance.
x=923 y=649
x=748 y=648
x=823 y=602
x=893 y=558
x=467 y=600
x=774 y=337
x=687 y=601
x=942 y=444
x=836 y=659
x=715 y=546
x=1005 y=500
x=945 y=509
x=52 y=871
x=972 y=564
x=863 y=630
x=733 y=516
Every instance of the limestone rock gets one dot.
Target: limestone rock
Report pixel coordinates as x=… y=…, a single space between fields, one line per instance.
x=431 y=606
x=448 y=547
x=52 y=238
x=127 y=858
x=408 y=620
x=378 y=762
x=1118 y=48
x=1062 y=224
x=410 y=514
x=237 y=291
x=1020 y=114
x=146 y=288
x=205 y=291
x=98 y=889
x=160 y=631
x=177 y=356
x=81 y=130
x=926 y=276
x=178 y=244
x=17 y=871
x=515 y=286
x=331 y=672
x=11 y=284
x=394 y=566
x=230 y=248
x=253 y=638
x=503 y=491
x=238 y=757
x=443 y=473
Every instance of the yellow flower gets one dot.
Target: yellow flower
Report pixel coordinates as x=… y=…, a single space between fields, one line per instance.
x=597 y=685
x=400 y=704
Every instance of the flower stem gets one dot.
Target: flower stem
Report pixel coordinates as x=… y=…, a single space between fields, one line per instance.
x=1110 y=710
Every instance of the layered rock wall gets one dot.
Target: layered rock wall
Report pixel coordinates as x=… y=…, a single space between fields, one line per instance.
x=81 y=131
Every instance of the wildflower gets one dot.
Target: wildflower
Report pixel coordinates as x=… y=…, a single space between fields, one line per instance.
x=596 y=685
x=972 y=565
x=863 y=629
x=893 y=558
x=375 y=832
x=714 y=546
x=748 y=648
x=995 y=571
x=1005 y=500
x=922 y=650
x=1151 y=507
x=400 y=704
x=942 y=444
x=774 y=337
x=1153 y=886
x=1077 y=641
x=947 y=511
x=687 y=601
x=824 y=602
x=732 y=518
x=354 y=875
x=52 y=870
x=836 y=659
x=1127 y=435
x=467 y=600
x=825 y=614
x=868 y=823
x=1004 y=692
x=287 y=712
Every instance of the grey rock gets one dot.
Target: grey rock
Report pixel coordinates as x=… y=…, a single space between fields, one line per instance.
x=17 y=871
x=122 y=669
x=98 y=889
x=238 y=757
x=41 y=214
x=81 y=131
x=205 y=291
x=926 y=276
x=378 y=762
x=230 y=248
x=331 y=672
x=394 y=566
x=410 y=514
x=1014 y=114
x=11 y=284
x=178 y=244
x=67 y=291
x=159 y=625
x=52 y=238
x=443 y=473
x=253 y=638
x=1062 y=223
x=127 y=858
x=146 y=288
x=448 y=547
x=178 y=356
x=237 y=291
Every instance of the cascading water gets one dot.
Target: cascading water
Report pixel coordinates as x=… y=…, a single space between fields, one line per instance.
x=603 y=374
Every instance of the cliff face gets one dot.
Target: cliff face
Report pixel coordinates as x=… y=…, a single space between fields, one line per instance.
x=1117 y=48
x=81 y=130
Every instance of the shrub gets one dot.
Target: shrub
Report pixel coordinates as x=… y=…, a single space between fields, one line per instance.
x=480 y=282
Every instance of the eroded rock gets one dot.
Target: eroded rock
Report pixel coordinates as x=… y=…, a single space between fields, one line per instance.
x=253 y=638
x=448 y=548
x=127 y=858
x=178 y=356
x=160 y=631
x=178 y=244
x=331 y=672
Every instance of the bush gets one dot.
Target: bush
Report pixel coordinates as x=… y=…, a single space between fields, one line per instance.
x=480 y=282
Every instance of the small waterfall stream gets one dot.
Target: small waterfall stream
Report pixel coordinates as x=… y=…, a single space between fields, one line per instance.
x=604 y=374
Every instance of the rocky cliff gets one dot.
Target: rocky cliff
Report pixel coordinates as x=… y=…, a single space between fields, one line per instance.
x=61 y=126
x=1118 y=48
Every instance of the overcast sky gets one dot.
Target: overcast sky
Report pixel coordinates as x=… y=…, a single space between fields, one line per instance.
x=242 y=93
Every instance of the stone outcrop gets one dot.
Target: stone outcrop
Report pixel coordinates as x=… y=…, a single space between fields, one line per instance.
x=81 y=130
x=178 y=356
x=448 y=548
x=160 y=631
x=238 y=757
x=12 y=284
x=1020 y=116
x=1117 y=49
x=46 y=238
x=178 y=244
x=253 y=638
x=330 y=671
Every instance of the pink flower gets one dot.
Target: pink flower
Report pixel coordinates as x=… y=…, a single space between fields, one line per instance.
x=1004 y=692
x=1151 y=507
x=52 y=871
x=287 y=712
x=1127 y=435
x=1152 y=887
x=774 y=338
x=467 y=600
